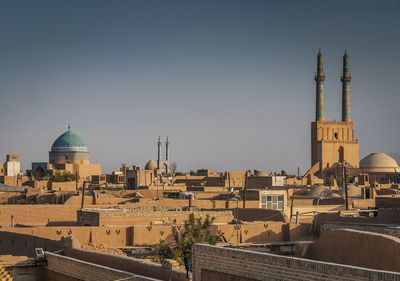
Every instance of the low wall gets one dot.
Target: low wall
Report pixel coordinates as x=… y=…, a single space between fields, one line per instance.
x=36 y=214
x=377 y=228
x=118 y=236
x=256 y=214
x=150 y=234
x=394 y=231
x=358 y=248
x=144 y=215
x=228 y=264
x=83 y=270
x=133 y=265
x=16 y=244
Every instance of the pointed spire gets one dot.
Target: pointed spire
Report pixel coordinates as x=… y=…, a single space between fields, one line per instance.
x=346 y=63
x=319 y=79
x=346 y=78
x=69 y=127
x=167 y=150
x=159 y=151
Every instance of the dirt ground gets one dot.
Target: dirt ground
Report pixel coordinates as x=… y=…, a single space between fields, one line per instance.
x=103 y=248
x=11 y=260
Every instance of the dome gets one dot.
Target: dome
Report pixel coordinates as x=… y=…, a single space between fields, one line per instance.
x=68 y=141
x=151 y=165
x=379 y=163
x=258 y=173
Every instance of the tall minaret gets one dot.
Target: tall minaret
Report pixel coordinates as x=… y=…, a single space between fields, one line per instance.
x=159 y=152
x=320 y=78
x=346 y=78
x=167 y=150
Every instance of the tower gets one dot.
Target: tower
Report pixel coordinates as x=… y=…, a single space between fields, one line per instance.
x=159 y=152
x=163 y=163
x=346 y=78
x=167 y=150
x=333 y=141
x=319 y=79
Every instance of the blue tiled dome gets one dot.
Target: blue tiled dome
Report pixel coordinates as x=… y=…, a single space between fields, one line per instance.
x=69 y=142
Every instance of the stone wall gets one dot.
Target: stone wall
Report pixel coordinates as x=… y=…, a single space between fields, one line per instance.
x=228 y=264
x=150 y=234
x=357 y=248
x=256 y=214
x=378 y=228
x=384 y=217
x=394 y=231
x=117 y=216
x=133 y=265
x=83 y=270
x=24 y=245
x=36 y=214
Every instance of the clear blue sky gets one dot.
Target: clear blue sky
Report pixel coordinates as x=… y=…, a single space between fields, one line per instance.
x=230 y=82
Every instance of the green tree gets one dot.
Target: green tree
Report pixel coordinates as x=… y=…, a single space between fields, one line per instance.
x=195 y=230
x=62 y=177
x=165 y=250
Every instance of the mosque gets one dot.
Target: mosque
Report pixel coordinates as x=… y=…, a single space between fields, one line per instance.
x=333 y=142
x=68 y=155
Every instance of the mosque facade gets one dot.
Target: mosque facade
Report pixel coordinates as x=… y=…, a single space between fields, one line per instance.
x=68 y=155
x=333 y=141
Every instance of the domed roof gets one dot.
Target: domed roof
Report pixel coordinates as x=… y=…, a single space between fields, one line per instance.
x=379 y=163
x=151 y=165
x=258 y=173
x=69 y=141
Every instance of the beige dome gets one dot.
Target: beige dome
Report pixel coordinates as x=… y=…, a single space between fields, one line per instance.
x=258 y=173
x=151 y=165
x=379 y=163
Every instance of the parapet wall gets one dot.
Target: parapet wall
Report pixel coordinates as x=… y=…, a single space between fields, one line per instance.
x=358 y=248
x=133 y=265
x=150 y=234
x=85 y=271
x=141 y=215
x=220 y=264
x=24 y=245
x=378 y=228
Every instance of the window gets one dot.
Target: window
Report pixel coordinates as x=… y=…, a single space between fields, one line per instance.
x=272 y=202
x=336 y=135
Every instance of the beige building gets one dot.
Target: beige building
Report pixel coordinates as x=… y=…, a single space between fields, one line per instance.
x=381 y=168
x=68 y=155
x=11 y=167
x=333 y=141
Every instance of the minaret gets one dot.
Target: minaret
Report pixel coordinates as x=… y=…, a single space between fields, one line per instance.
x=346 y=78
x=159 y=152
x=167 y=150
x=320 y=78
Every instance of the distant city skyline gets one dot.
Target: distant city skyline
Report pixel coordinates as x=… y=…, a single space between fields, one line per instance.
x=230 y=82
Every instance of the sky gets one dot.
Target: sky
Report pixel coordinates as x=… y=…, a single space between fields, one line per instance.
x=230 y=82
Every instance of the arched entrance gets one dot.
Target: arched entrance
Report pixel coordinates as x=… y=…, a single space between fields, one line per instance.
x=39 y=173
